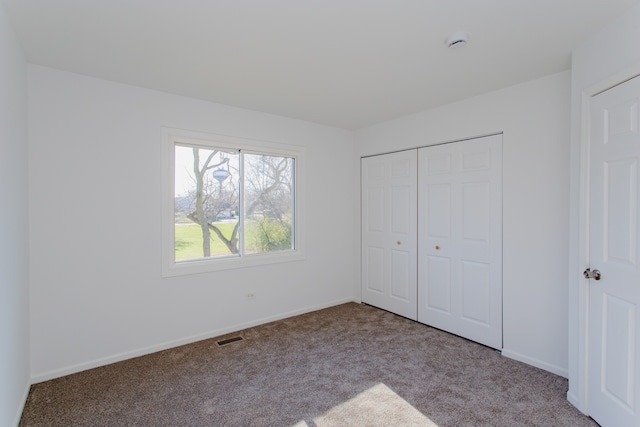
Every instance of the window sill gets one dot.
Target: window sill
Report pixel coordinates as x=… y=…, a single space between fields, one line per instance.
x=200 y=266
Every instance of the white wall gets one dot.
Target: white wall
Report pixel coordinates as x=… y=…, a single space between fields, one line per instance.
x=97 y=295
x=608 y=57
x=14 y=277
x=535 y=120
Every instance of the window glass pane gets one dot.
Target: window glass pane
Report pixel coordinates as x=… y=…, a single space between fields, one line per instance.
x=268 y=203
x=206 y=202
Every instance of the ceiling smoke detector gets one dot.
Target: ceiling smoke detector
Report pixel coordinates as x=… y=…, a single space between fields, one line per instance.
x=457 y=39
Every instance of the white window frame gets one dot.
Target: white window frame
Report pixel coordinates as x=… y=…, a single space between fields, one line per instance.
x=172 y=136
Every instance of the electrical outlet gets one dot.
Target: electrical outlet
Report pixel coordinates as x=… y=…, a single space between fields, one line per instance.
x=250 y=295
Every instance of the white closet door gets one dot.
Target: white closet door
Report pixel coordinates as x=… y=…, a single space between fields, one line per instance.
x=389 y=236
x=460 y=238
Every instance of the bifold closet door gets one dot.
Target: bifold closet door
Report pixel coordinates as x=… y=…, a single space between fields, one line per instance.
x=389 y=235
x=460 y=238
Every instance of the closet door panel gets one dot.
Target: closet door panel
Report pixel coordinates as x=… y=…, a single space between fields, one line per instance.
x=438 y=296
x=460 y=221
x=389 y=234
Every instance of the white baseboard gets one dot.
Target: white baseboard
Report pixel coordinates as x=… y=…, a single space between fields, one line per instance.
x=25 y=394
x=46 y=376
x=563 y=372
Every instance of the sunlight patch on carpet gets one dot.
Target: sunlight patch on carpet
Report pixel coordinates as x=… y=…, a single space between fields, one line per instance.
x=376 y=406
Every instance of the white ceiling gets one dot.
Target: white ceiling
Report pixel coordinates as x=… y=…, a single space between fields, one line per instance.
x=345 y=63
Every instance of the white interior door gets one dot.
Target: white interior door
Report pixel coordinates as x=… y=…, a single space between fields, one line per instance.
x=460 y=238
x=389 y=237
x=614 y=300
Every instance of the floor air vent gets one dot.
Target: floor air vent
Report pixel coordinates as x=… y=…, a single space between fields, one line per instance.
x=228 y=341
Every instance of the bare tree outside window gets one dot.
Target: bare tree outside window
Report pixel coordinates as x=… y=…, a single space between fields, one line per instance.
x=269 y=202
x=209 y=193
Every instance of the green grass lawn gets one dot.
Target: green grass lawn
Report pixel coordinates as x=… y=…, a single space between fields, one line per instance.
x=189 y=240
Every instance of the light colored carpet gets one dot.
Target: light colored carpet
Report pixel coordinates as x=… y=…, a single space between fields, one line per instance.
x=349 y=365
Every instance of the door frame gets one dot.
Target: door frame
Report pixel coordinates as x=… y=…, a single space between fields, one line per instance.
x=579 y=254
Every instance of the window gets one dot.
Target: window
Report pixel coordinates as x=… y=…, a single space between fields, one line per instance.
x=228 y=203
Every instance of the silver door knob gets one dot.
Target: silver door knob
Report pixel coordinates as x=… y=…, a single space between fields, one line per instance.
x=589 y=274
